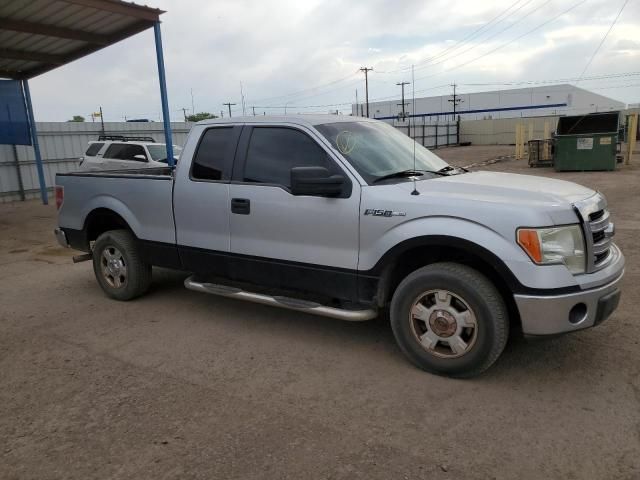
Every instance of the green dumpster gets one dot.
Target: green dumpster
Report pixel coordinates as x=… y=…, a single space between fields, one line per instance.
x=586 y=142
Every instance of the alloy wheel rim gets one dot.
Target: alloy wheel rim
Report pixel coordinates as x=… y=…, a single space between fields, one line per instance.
x=443 y=323
x=113 y=267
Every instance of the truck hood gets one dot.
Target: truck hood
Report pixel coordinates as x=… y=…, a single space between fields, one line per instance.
x=510 y=188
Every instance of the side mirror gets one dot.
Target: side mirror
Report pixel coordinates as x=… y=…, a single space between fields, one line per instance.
x=140 y=158
x=316 y=181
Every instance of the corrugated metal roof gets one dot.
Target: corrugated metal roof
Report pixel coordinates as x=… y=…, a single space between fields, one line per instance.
x=40 y=35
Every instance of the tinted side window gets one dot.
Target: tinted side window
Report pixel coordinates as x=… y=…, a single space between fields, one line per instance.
x=113 y=150
x=123 y=151
x=93 y=149
x=208 y=162
x=274 y=151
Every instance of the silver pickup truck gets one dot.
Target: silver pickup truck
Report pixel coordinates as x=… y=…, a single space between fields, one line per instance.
x=348 y=218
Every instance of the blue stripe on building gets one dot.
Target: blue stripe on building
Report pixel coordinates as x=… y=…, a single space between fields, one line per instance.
x=486 y=110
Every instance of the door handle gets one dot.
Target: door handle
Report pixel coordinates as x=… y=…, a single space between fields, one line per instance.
x=241 y=206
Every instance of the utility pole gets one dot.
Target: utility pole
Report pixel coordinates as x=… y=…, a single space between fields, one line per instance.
x=221 y=114
x=229 y=105
x=366 y=71
x=184 y=111
x=193 y=108
x=357 y=102
x=254 y=111
x=101 y=121
x=402 y=84
x=455 y=100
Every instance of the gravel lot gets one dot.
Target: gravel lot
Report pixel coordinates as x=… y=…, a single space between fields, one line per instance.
x=185 y=385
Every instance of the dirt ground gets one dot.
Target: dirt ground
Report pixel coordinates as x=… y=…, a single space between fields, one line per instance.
x=180 y=385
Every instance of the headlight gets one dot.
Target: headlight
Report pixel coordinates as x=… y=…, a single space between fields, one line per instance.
x=547 y=246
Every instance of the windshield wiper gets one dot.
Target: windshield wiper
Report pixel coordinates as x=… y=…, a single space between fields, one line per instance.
x=410 y=173
x=401 y=173
x=449 y=168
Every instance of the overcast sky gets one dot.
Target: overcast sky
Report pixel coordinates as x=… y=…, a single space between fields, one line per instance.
x=306 y=54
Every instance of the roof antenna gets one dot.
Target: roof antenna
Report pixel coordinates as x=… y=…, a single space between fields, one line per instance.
x=413 y=114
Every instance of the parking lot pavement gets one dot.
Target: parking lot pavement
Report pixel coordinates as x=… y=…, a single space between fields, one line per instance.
x=183 y=385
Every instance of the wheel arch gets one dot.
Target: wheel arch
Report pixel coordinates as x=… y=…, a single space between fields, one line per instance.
x=412 y=254
x=100 y=220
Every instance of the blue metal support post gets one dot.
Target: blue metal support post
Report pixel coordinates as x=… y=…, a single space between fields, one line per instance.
x=163 y=94
x=36 y=145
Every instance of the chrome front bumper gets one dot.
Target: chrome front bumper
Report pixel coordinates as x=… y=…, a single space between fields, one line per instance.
x=61 y=237
x=551 y=315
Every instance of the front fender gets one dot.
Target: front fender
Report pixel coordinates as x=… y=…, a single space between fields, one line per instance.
x=444 y=231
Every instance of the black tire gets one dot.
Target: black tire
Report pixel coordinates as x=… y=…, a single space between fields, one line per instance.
x=136 y=274
x=488 y=336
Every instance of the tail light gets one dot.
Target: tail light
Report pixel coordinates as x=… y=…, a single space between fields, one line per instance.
x=59 y=196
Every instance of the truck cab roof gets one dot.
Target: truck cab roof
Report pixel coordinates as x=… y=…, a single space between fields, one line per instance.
x=306 y=120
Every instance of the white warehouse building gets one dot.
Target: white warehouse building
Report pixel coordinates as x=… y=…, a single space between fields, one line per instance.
x=563 y=99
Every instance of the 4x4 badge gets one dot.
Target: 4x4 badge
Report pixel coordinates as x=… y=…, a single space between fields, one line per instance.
x=376 y=212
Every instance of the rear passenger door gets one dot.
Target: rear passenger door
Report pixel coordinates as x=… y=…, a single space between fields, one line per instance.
x=201 y=198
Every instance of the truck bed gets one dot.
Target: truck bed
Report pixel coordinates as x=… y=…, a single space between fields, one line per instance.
x=141 y=197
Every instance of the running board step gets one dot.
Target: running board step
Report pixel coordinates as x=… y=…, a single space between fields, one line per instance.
x=282 y=302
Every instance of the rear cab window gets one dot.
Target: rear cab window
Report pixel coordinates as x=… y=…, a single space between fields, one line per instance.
x=211 y=160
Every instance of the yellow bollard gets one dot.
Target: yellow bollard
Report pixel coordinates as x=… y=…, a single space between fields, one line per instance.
x=631 y=137
x=546 y=153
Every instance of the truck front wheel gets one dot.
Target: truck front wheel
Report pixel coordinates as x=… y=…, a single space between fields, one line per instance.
x=449 y=319
x=118 y=266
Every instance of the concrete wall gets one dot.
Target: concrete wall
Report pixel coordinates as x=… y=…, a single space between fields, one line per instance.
x=502 y=131
x=61 y=144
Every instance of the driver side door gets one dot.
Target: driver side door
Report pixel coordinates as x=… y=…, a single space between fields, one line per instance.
x=291 y=241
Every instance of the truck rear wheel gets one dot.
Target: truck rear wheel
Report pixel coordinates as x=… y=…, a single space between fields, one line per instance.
x=449 y=319
x=118 y=266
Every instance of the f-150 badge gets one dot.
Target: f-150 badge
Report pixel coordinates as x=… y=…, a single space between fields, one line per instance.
x=376 y=212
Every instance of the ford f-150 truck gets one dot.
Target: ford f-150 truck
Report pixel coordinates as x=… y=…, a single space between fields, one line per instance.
x=347 y=217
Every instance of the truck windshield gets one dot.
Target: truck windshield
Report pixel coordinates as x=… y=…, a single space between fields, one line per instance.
x=158 y=152
x=377 y=149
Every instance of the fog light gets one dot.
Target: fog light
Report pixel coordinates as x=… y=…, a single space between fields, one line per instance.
x=578 y=313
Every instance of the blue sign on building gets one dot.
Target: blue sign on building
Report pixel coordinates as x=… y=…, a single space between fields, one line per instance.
x=14 y=124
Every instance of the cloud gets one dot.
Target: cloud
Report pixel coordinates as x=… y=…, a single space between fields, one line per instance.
x=279 y=47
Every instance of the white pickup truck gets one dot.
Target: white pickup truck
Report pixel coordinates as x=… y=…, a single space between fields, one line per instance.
x=340 y=216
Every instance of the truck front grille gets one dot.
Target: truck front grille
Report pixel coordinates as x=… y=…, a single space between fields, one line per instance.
x=599 y=226
x=598 y=231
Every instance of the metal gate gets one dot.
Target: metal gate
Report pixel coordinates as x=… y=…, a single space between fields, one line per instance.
x=428 y=134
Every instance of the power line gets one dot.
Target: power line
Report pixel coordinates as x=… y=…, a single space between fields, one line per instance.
x=557 y=80
x=472 y=47
x=299 y=92
x=459 y=43
x=448 y=57
x=603 y=39
x=506 y=43
x=304 y=106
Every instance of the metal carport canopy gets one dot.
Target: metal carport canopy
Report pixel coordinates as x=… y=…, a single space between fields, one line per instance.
x=37 y=36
